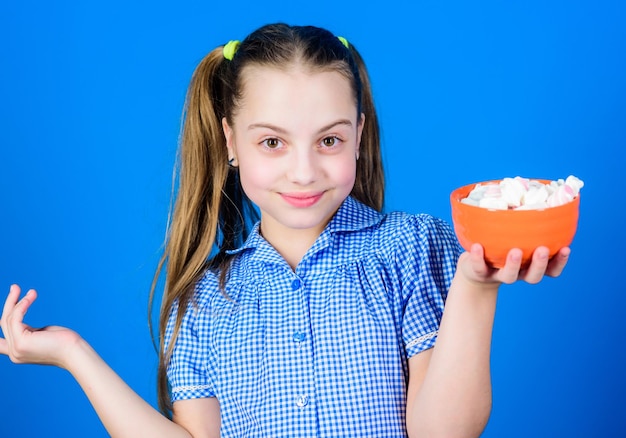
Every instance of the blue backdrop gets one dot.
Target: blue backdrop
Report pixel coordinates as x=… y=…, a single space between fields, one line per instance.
x=91 y=96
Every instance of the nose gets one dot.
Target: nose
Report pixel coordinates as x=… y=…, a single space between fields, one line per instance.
x=303 y=166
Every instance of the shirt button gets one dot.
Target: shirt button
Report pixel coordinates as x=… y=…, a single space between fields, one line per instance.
x=302 y=401
x=299 y=337
x=295 y=284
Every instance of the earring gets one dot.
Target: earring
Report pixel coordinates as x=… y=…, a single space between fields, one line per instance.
x=230 y=162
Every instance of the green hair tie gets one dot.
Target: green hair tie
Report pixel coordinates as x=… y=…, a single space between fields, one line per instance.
x=230 y=48
x=344 y=42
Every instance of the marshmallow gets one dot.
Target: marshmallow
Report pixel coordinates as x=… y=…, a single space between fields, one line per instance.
x=562 y=195
x=524 y=194
x=575 y=183
x=513 y=190
x=494 y=203
x=536 y=194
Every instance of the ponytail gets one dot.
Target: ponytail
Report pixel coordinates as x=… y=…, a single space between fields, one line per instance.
x=193 y=226
x=369 y=187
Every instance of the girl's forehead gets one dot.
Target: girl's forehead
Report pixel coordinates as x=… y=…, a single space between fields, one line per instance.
x=268 y=84
x=292 y=70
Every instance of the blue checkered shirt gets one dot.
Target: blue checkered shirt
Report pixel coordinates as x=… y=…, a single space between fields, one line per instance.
x=322 y=351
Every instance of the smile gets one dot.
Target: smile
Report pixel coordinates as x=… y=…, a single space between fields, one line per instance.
x=302 y=200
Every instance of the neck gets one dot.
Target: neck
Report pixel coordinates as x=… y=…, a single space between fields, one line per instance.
x=292 y=244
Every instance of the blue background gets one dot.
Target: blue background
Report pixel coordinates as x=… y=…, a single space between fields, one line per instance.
x=90 y=99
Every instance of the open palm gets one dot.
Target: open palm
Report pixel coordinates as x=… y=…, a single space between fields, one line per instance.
x=25 y=344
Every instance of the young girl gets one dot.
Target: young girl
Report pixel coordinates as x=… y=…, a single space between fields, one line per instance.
x=324 y=318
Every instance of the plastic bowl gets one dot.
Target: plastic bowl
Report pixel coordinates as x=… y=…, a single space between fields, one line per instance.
x=499 y=231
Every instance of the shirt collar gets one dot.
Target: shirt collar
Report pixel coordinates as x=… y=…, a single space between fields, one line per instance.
x=352 y=215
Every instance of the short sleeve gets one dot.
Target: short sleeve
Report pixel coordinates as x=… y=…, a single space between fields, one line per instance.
x=188 y=370
x=426 y=258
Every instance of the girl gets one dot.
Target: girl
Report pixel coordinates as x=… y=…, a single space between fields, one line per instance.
x=324 y=318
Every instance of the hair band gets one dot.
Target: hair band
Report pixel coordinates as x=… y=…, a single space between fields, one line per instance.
x=230 y=48
x=344 y=41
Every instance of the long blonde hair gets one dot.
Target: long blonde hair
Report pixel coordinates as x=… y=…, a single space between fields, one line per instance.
x=211 y=212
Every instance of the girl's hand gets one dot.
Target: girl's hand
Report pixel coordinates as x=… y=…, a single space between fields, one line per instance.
x=473 y=267
x=23 y=344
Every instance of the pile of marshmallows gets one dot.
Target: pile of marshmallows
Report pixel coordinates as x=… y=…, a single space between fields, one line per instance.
x=523 y=194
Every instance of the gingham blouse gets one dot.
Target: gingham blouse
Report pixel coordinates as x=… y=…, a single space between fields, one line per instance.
x=321 y=351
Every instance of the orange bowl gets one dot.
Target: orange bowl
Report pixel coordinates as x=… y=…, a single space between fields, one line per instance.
x=499 y=231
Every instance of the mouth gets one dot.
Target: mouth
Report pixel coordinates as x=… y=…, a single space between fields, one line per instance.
x=302 y=200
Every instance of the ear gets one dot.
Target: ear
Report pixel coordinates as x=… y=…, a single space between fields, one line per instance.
x=359 y=128
x=229 y=135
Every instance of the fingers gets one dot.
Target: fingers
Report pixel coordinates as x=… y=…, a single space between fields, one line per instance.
x=511 y=270
x=481 y=271
x=13 y=311
x=558 y=262
x=477 y=260
x=542 y=265
x=12 y=321
x=9 y=304
x=538 y=265
x=19 y=309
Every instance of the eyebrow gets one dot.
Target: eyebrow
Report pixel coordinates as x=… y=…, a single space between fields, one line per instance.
x=283 y=131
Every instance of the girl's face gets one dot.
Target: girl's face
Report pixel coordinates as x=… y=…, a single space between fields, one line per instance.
x=295 y=138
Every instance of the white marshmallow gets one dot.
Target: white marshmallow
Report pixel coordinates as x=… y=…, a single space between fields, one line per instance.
x=493 y=203
x=524 y=194
x=536 y=194
x=562 y=195
x=575 y=183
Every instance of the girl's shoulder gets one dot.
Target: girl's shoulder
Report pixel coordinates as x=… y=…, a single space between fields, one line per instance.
x=206 y=288
x=210 y=293
x=355 y=216
x=398 y=217
x=417 y=240
x=391 y=232
x=404 y=225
